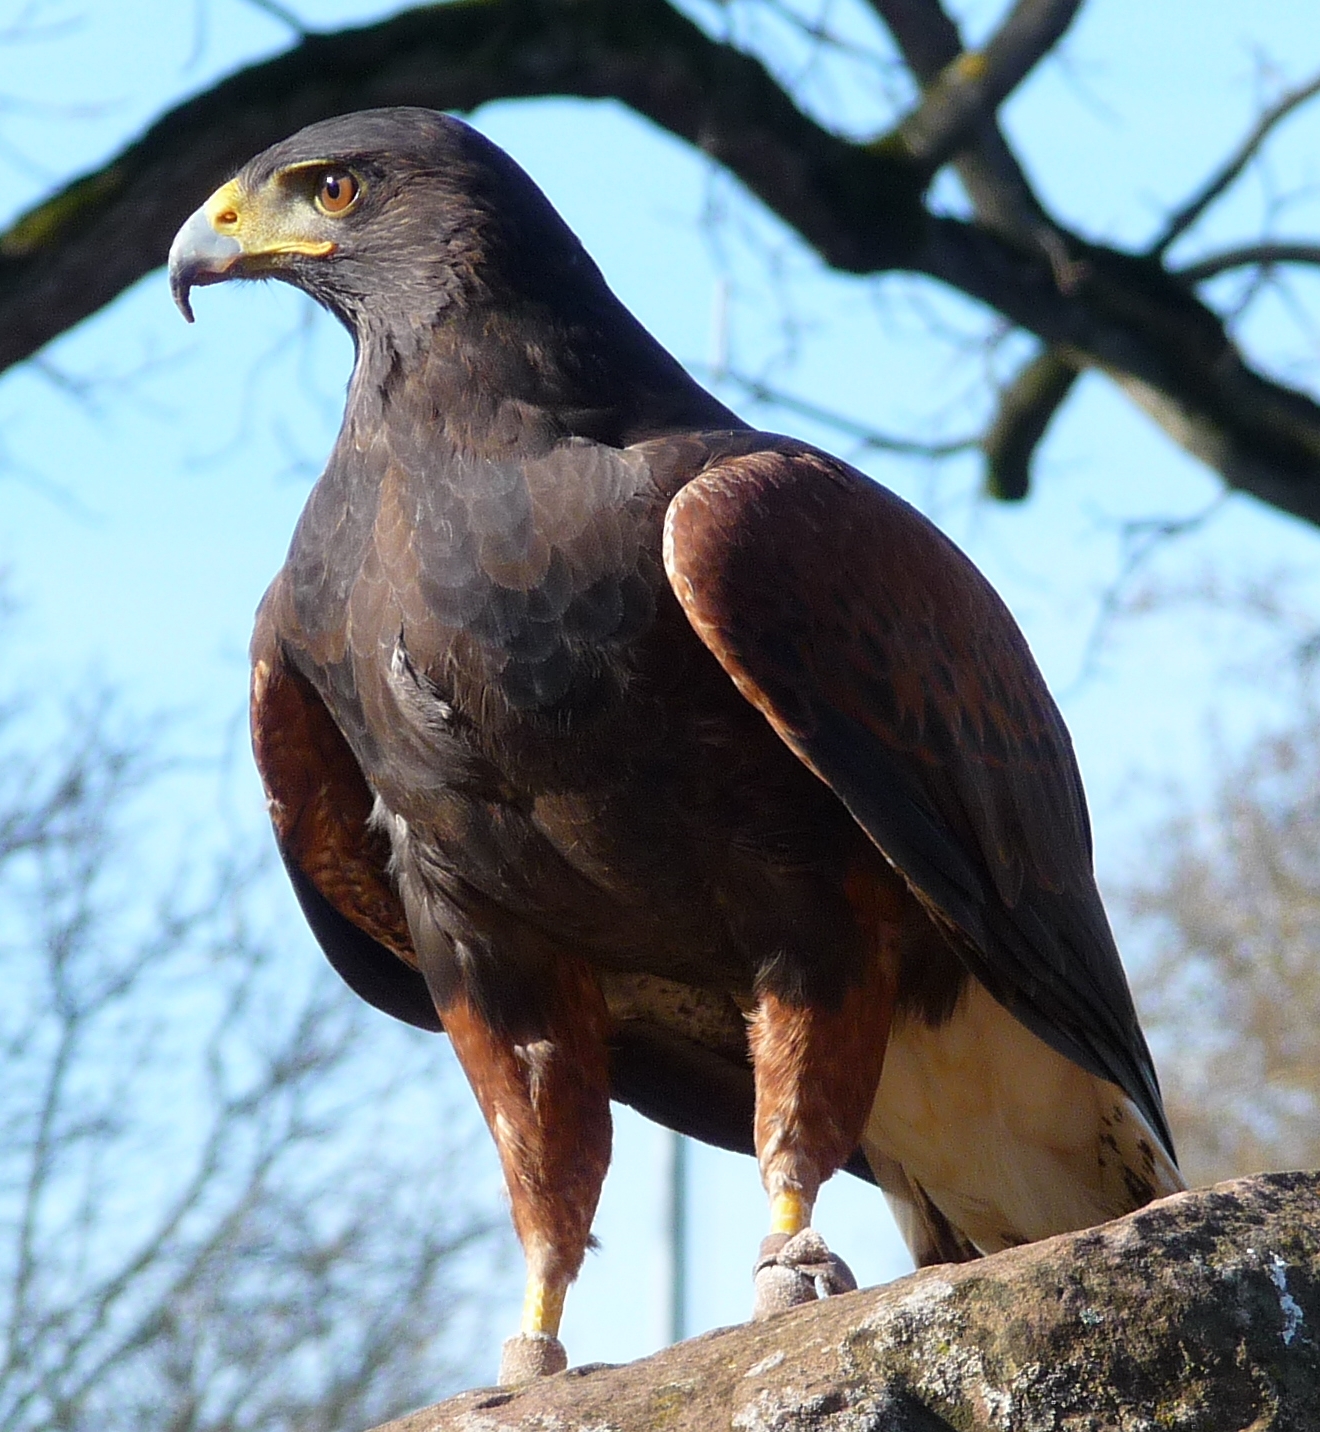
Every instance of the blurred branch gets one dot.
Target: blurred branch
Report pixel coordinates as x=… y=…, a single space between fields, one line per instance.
x=38 y=1174
x=204 y=1220
x=282 y=13
x=859 y=206
x=1027 y=406
x=999 y=190
x=71 y=254
x=1140 y=541
x=1169 y=352
x=1183 y=219
x=972 y=87
x=819 y=31
x=1229 y=890
x=860 y=432
x=1265 y=254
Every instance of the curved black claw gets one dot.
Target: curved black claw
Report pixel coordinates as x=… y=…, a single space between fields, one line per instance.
x=797 y=1269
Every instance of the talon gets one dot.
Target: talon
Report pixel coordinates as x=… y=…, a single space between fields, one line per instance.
x=794 y=1270
x=771 y=1245
x=778 y=1289
x=529 y=1355
x=809 y=1252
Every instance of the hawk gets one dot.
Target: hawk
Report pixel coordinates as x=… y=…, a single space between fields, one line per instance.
x=660 y=759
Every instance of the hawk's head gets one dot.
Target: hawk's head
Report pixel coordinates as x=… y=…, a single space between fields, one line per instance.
x=384 y=214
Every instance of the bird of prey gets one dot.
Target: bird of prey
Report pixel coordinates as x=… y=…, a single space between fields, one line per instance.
x=657 y=758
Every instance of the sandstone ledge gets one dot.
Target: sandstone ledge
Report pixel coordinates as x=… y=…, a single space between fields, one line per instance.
x=1200 y=1313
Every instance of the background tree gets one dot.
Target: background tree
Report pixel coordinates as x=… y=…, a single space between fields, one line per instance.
x=864 y=196
x=210 y=1218
x=1227 y=907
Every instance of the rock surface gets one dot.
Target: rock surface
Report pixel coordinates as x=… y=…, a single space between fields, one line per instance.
x=1199 y=1313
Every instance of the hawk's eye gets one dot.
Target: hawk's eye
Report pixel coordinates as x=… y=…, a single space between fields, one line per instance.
x=337 y=192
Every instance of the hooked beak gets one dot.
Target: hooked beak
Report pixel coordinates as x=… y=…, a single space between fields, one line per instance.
x=200 y=254
x=237 y=234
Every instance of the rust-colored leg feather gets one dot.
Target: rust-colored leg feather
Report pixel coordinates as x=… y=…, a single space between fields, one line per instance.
x=817 y=1070
x=546 y=1101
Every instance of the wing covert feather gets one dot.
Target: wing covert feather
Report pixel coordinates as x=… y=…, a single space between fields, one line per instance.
x=320 y=806
x=892 y=669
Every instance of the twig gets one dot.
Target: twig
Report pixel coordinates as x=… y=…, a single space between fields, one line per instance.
x=1140 y=540
x=281 y=13
x=1027 y=405
x=989 y=171
x=1266 y=254
x=820 y=32
x=1183 y=219
x=863 y=433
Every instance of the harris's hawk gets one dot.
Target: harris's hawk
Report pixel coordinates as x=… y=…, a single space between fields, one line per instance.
x=655 y=757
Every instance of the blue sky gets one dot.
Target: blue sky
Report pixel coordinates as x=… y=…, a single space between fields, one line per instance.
x=151 y=473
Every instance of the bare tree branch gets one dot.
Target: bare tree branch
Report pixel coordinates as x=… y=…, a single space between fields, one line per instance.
x=1004 y=201
x=75 y=252
x=989 y=171
x=1133 y=320
x=1183 y=218
x=38 y=1173
x=925 y=33
x=1229 y=894
x=1026 y=408
x=973 y=86
x=174 y=1253
x=862 y=433
x=1141 y=541
x=282 y=13
x=1265 y=254
x=858 y=205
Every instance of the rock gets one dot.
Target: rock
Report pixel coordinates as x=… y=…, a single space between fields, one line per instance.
x=1199 y=1313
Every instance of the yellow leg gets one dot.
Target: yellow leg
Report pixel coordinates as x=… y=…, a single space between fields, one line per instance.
x=790 y=1212
x=543 y=1306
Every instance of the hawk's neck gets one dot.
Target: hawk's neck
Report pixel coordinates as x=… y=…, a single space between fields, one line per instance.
x=503 y=379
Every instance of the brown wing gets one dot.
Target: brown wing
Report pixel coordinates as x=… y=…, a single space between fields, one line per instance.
x=888 y=664
x=320 y=807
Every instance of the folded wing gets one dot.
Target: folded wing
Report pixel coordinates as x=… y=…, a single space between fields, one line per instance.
x=889 y=665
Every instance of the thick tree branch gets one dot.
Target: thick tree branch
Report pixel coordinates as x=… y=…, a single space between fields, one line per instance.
x=858 y=206
x=74 y=253
x=1170 y=353
x=1197 y=1312
x=1183 y=219
x=1266 y=255
x=989 y=171
x=976 y=83
x=1004 y=201
x=925 y=33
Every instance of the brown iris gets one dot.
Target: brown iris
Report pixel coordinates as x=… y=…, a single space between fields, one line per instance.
x=337 y=192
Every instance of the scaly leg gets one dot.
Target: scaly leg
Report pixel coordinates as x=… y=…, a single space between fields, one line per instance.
x=546 y=1101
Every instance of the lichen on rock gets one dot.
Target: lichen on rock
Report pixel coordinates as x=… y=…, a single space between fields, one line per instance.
x=1199 y=1313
